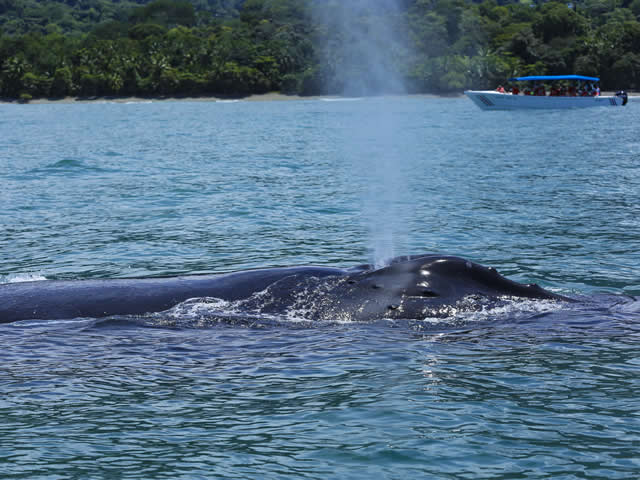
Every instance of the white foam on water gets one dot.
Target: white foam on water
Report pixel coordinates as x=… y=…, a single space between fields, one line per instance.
x=205 y=311
x=311 y=307
x=341 y=99
x=51 y=323
x=470 y=310
x=22 y=277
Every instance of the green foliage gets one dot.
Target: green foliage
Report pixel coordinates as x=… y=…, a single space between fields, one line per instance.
x=168 y=13
x=556 y=20
x=62 y=84
x=55 y=48
x=144 y=30
x=310 y=82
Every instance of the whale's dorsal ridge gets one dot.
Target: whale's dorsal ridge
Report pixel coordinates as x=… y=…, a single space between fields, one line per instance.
x=407 y=287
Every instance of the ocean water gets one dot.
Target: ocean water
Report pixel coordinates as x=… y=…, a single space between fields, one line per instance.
x=529 y=390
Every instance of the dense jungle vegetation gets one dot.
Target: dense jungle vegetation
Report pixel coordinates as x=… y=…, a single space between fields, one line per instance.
x=56 y=48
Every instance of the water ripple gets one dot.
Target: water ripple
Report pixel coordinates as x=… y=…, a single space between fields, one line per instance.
x=166 y=188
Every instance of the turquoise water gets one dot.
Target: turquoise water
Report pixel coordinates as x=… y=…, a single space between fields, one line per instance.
x=533 y=390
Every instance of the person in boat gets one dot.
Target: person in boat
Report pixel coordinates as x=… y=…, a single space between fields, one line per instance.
x=571 y=91
x=596 y=91
x=585 y=91
x=540 y=91
x=515 y=90
x=582 y=90
x=500 y=89
x=554 y=91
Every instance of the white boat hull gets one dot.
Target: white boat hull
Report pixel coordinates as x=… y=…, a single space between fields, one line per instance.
x=492 y=100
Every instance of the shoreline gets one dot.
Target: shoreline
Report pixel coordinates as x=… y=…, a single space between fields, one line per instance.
x=263 y=97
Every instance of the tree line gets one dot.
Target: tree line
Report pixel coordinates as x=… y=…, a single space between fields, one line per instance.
x=93 y=48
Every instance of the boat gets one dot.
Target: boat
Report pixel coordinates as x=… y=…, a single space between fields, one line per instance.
x=503 y=100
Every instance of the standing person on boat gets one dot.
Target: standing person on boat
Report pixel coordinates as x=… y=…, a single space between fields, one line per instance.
x=581 y=89
x=597 y=90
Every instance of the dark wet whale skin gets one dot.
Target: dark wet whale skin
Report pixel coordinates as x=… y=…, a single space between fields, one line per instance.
x=409 y=287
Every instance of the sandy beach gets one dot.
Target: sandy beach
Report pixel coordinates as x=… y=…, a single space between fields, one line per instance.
x=272 y=96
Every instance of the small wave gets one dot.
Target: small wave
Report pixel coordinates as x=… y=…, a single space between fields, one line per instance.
x=67 y=163
x=117 y=322
x=227 y=101
x=112 y=153
x=615 y=303
x=632 y=306
x=66 y=166
x=341 y=99
x=36 y=326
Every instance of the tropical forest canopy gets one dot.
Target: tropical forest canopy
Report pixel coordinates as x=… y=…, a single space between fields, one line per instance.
x=55 y=48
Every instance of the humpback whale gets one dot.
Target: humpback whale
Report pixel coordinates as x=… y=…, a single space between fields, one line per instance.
x=410 y=287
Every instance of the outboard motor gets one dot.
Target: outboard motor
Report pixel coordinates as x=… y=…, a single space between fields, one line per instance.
x=623 y=95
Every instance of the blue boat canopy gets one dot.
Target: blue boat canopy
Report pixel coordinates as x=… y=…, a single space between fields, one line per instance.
x=554 y=77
